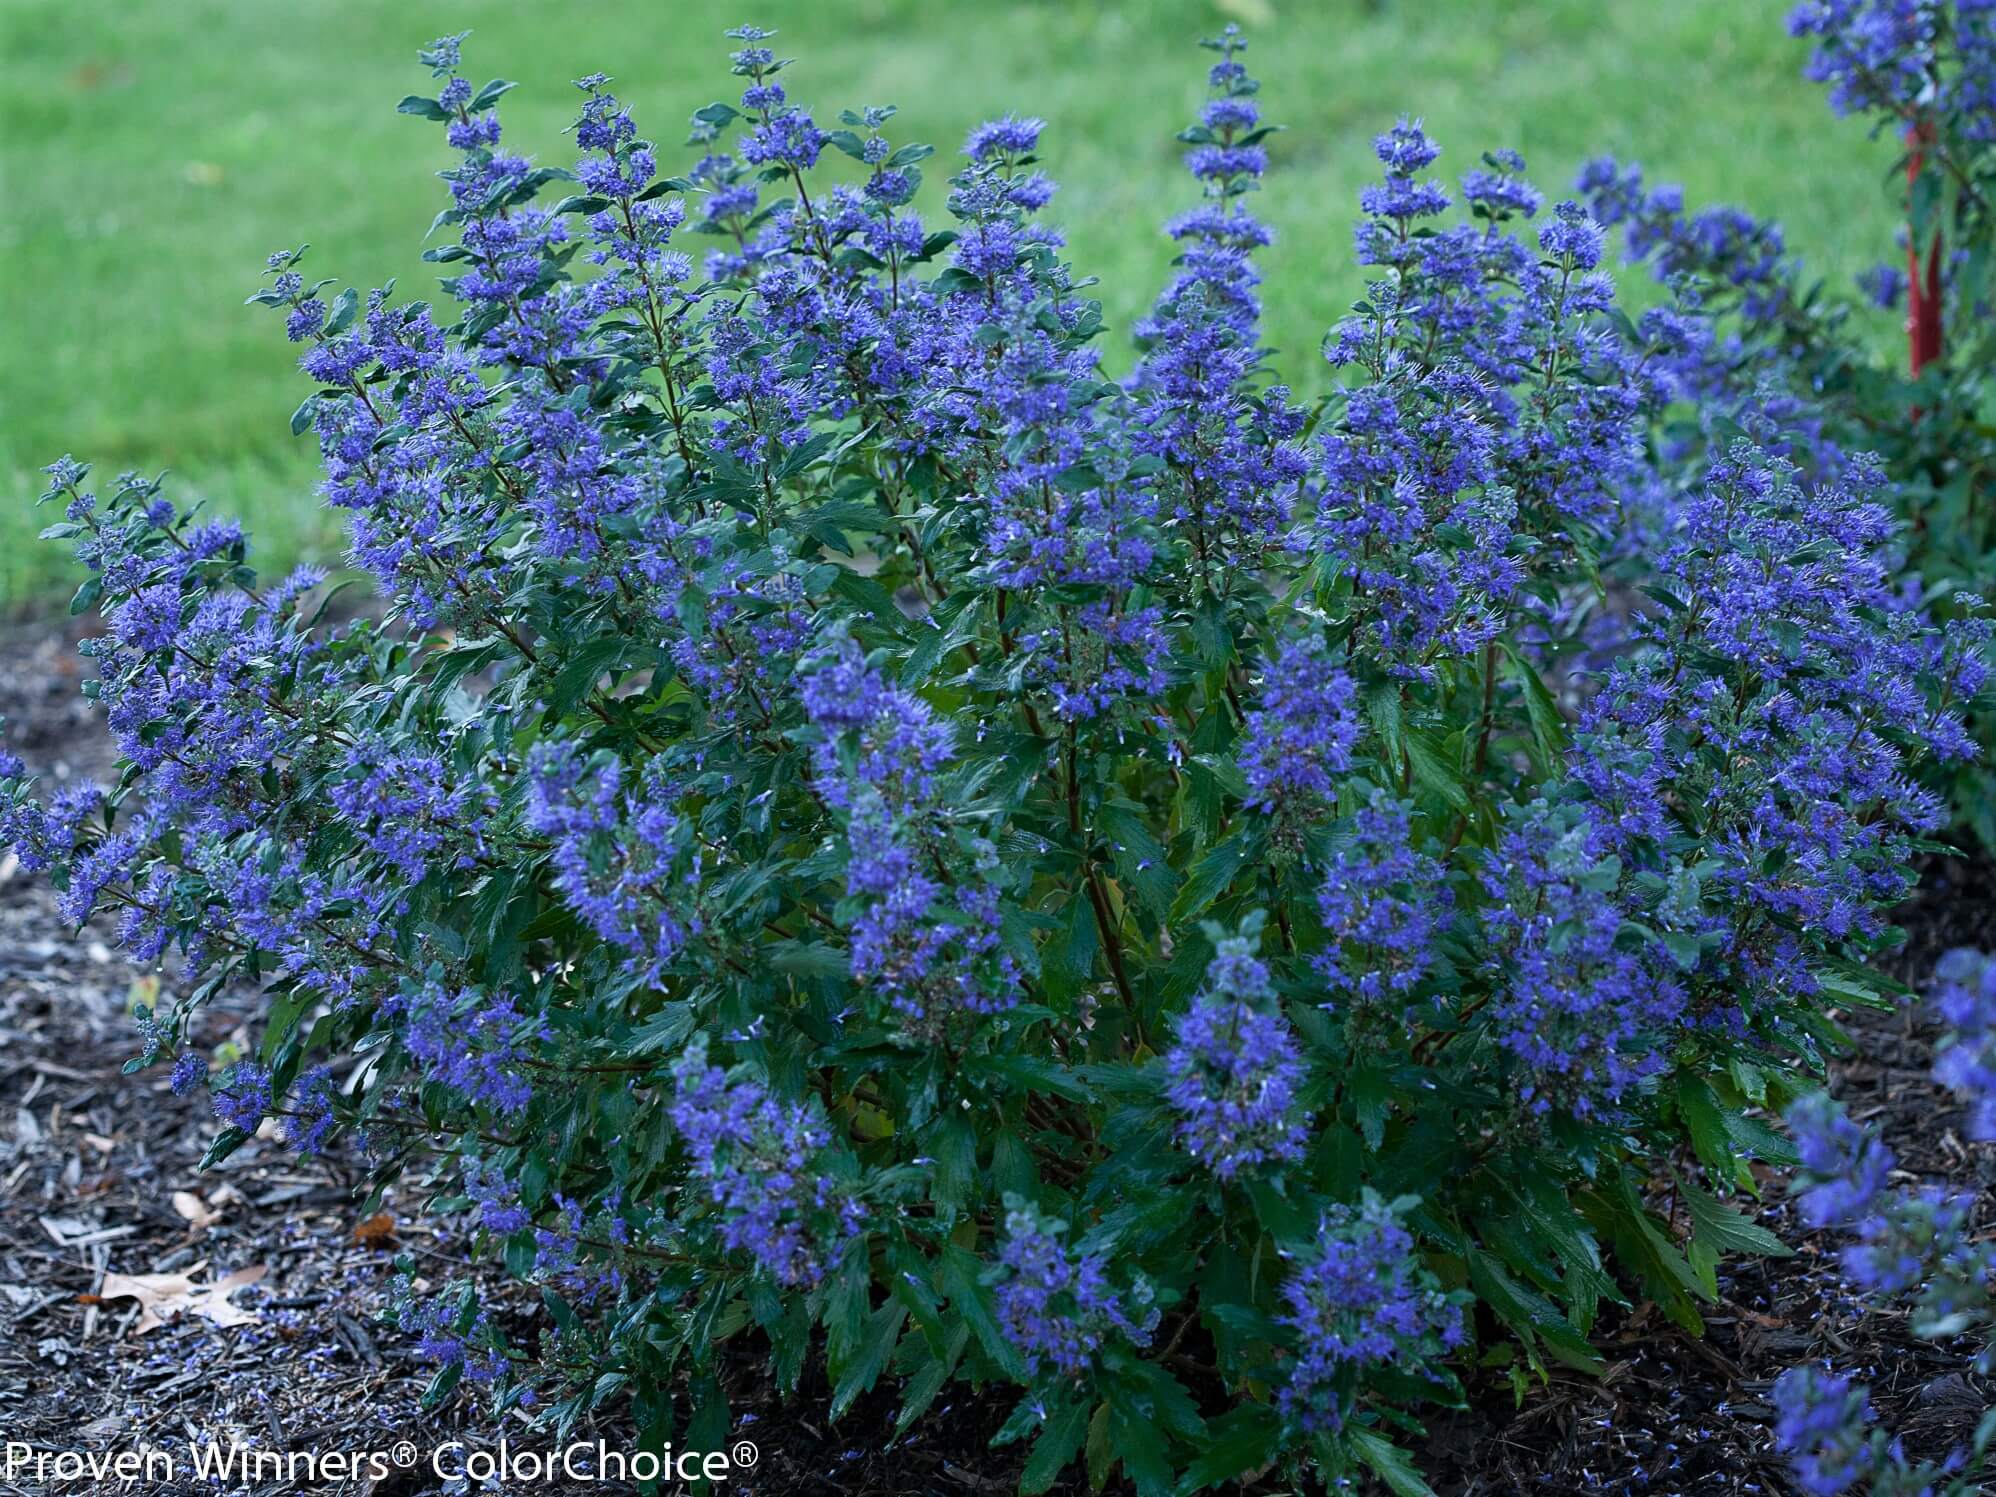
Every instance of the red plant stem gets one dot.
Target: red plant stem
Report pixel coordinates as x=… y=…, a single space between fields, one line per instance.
x=1923 y=288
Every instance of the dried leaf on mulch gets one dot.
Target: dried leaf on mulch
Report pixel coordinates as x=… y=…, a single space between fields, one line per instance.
x=162 y=1296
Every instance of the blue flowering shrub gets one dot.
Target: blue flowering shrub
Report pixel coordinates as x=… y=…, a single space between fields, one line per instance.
x=864 y=838
x=1766 y=337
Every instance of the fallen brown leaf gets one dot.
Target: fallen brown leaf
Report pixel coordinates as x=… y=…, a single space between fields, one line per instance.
x=163 y=1296
x=192 y=1209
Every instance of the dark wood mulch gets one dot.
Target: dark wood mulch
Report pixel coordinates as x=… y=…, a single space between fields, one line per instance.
x=98 y=1177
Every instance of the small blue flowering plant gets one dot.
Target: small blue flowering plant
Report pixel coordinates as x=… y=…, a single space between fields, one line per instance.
x=861 y=835
x=1912 y=1247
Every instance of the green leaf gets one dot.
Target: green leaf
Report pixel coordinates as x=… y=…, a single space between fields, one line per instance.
x=582 y=669
x=1101 y=1453
x=1059 y=1442
x=422 y=108
x=1163 y=1400
x=846 y=1303
x=489 y=95
x=956 y=1163
x=1067 y=961
x=1209 y=877
x=804 y=454
x=1389 y=1463
x=959 y=1279
x=285 y=1011
x=1705 y=1121
x=1432 y=772
x=813 y=960
x=929 y=1380
x=1029 y=1074
x=1142 y=864
x=1724 y=1138
x=440 y=1385
x=1211 y=637
x=346 y=306
x=1243 y=1439
x=1752 y=1136
x=708 y=1428
x=668 y=1029
x=1144 y=1457
x=1372 y=1103
x=225 y=1143
x=1382 y=710
x=871 y=1355
x=1727 y=1229
x=1548 y=725
x=1666 y=1275
x=1529 y=1313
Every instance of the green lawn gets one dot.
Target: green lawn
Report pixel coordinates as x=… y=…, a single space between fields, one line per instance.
x=155 y=151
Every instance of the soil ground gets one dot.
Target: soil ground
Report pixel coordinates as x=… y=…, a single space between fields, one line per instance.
x=99 y=1177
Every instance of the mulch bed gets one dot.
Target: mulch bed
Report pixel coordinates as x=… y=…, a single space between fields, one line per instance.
x=98 y=1177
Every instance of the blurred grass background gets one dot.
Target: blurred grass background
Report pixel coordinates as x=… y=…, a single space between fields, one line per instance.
x=152 y=152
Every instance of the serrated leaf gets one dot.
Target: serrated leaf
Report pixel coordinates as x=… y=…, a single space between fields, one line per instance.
x=1142 y=864
x=928 y=1380
x=958 y=1278
x=1372 y=1103
x=1529 y=1313
x=955 y=1168
x=1432 y=771
x=1705 y=1122
x=1727 y=1229
x=1548 y=725
x=1392 y=1465
x=870 y=1357
x=1209 y=877
x=1241 y=1440
x=1060 y=1441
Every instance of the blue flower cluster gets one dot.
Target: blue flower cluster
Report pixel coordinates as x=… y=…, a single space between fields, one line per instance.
x=1384 y=904
x=1824 y=1424
x=1360 y=1299
x=471 y=1041
x=455 y=1332
x=625 y=862
x=926 y=937
x=1897 y=57
x=756 y=1158
x=1296 y=744
x=1056 y=1303
x=1965 y=1003
x=1234 y=1073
